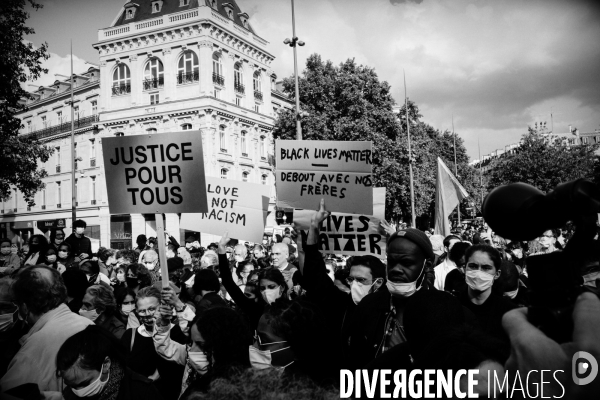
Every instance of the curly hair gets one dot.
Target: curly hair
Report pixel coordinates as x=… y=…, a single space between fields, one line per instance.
x=40 y=292
x=130 y=255
x=104 y=253
x=242 y=265
x=104 y=299
x=141 y=272
x=489 y=250
x=226 y=338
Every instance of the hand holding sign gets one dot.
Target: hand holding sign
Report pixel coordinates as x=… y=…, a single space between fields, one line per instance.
x=387 y=227
x=320 y=216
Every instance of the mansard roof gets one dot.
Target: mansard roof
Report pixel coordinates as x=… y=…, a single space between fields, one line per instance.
x=144 y=10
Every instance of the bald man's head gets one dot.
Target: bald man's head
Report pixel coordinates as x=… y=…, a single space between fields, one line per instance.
x=280 y=253
x=150 y=256
x=40 y=289
x=240 y=252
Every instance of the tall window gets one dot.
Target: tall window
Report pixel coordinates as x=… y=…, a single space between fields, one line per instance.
x=58 y=194
x=75 y=153
x=187 y=68
x=76 y=112
x=92 y=149
x=44 y=122
x=58 y=156
x=93 y=188
x=76 y=190
x=29 y=127
x=223 y=173
x=217 y=70
x=223 y=138
x=94 y=107
x=186 y=127
x=257 y=107
x=154 y=76
x=121 y=80
x=245 y=176
x=257 y=85
x=263 y=179
x=59 y=117
x=154 y=98
x=16 y=202
x=263 y=154
x=238 y=82
x=243 y=141
x=43 y=198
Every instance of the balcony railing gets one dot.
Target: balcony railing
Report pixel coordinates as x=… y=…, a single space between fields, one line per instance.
x=153 y=83
x=189 y=77
x=218 y=79
x=118 y=90
x=258 y=95
x=64 y=127
x=239 y=88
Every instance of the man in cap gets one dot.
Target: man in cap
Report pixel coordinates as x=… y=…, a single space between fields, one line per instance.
x=378 y=318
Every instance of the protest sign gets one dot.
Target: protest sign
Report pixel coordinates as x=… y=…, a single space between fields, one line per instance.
x=237 y=207
x=348 y=234
x=149 y=174
x=339 y=172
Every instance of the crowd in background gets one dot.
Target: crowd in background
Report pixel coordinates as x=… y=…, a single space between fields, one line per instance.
x=261 y=320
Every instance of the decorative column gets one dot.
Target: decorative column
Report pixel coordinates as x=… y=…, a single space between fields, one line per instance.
x=170 y=78
x=206 y=50
x=229 y=79
x=136 y=81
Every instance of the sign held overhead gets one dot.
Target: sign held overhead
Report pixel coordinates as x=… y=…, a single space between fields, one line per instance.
x=339 y=172
x=152 y=174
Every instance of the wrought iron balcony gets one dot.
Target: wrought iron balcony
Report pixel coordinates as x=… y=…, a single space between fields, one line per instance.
x=218 y=79
x=118 y=90
x=239 y=88
x=154 y=83
x=64 y=127
x=258 y=95
x=189 y=77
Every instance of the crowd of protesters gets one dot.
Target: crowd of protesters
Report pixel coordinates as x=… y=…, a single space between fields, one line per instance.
x=277 y=319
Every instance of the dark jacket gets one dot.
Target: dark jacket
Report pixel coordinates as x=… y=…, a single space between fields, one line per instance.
x=133 y=387
x=489 y=314
x=79 y=245
x=112 y=324
x=210 y=300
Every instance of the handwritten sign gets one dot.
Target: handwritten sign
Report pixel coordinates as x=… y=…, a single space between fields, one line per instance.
x=149 y=174
x=237 y=207
x=339 y=172
x=349 y=234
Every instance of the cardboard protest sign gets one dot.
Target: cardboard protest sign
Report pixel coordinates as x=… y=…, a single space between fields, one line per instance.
x=339 y=172
x=348 y=234
x=237 y=207
x=149 y=174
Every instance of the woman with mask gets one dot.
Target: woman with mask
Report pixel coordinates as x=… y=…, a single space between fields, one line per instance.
x=243 y=271
x=57 y=236
x=51 y=260
x=137 y=277
x=91 y=364
x=119 y=277
x=125 y=298
x=64 y=255
x=100 y=306
x=37 y=246
x=9 y=261
x=218 y=347
x=141 y=355
x=482 y=269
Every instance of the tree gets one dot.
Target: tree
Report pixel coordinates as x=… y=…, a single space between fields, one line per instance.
x=544 y=162
x=348 y=102
x=20 y=62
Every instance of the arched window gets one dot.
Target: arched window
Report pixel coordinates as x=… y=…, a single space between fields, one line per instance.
x=224 y=173
x=244 y=176
x=154 y=75
x=263 y=179
x=273 y=84
x=217 y=70
x=121 y=80
x=186 y=127
x=238 y=79
x=223 y=138
x=187 y=68
x=263 y=153
x=257 y=86
x=243 y=143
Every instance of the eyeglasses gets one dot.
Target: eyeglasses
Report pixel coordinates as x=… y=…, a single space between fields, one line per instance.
x=362 y=281
x=148 y=311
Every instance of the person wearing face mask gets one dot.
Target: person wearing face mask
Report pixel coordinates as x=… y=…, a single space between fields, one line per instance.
x=9 y=262
x=40 y=294
x=65 y=257
x=141 y=355
x=546 y=242
x=125 y=298
x=137 y=277
x=91 y=364
x=37 y=248
x=51 y=260
x=510 y=285
x=482 y=269
x=92 y=271
x=100 y=306
x=11 y=326
x=150 y=261
x=218 y=347
x=378 y=323
x=81 y=246
x=367 y=275
x=107 y=260
x=119 y=278
x=57 y=236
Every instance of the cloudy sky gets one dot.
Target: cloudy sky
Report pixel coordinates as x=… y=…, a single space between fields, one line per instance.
x=497 y=66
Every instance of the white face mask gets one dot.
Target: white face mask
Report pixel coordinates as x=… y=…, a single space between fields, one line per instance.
x=198 y=361
x=270 y=295
x=170 y=254
x=479 y=280
x=359 y=291
x=405 y=289
x=7 y=321
x=92 y=315
x=5 y=251
x=63 y=254
x=238 y=258
x=149 y=265
x=93 y=388
x=79 y=231
x=127 y=308
x=51 y=258
x=512 y=294
x=121 y=277
x=261 y=359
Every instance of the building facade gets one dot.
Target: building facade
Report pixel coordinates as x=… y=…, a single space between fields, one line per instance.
x=167 y=66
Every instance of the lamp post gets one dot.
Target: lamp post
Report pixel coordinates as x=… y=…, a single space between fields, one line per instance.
x=73 y=187
x=292 y=43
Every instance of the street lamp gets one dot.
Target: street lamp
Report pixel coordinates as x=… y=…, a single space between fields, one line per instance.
x=292 y=43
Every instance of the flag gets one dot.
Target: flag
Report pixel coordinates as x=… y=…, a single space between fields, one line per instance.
x=448 y=194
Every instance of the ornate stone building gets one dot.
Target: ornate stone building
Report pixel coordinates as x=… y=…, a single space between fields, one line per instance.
x=185 y=65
